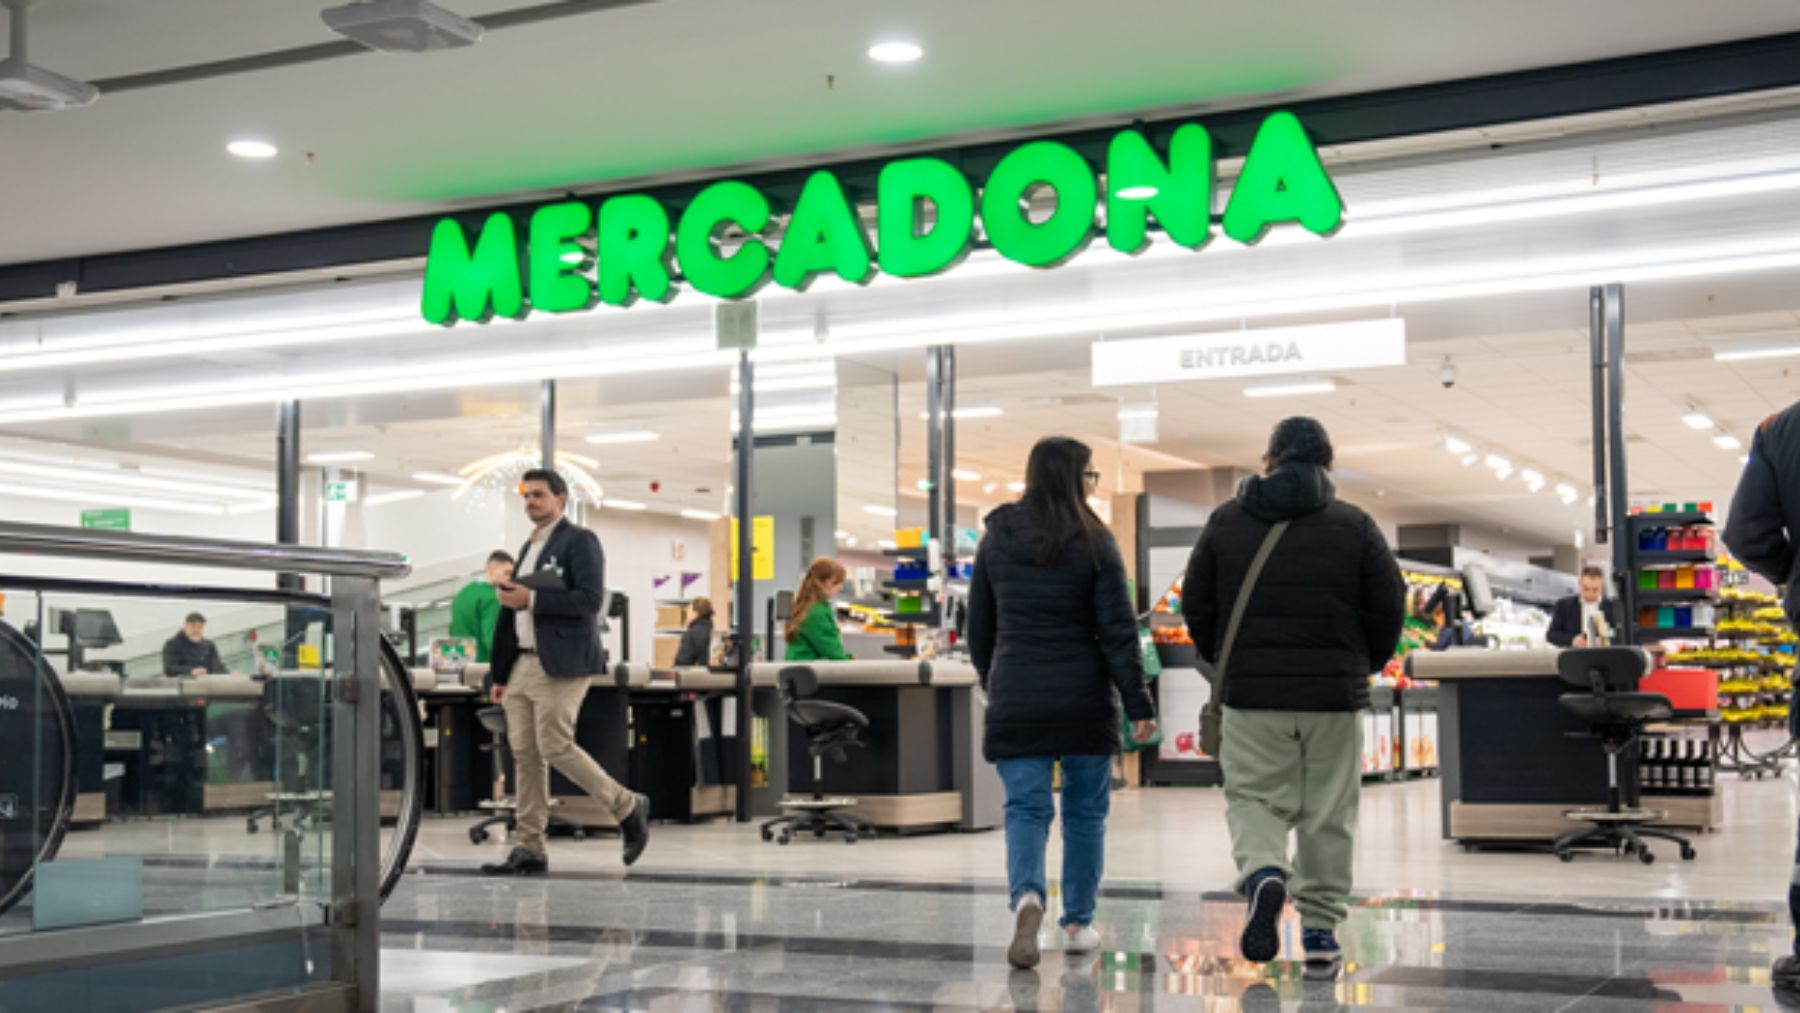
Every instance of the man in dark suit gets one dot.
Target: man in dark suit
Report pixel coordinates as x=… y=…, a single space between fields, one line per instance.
x=1574 y=615
x=546 y=648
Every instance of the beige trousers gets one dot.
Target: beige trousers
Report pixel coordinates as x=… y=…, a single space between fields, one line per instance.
x=540 y=728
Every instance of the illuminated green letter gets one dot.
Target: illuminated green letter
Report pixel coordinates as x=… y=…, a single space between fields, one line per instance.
x=905 y=250
x=559 y=283
x=1282 y=181
x=1068 y=228
x=823 y=235
x=476 y=287
x=733 y=277
x=1180 y=193
x=634 y=250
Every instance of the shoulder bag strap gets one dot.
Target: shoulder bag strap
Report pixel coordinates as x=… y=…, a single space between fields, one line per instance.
x=1243 y=598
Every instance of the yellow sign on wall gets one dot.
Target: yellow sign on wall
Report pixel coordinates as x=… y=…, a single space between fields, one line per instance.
x=762 y=547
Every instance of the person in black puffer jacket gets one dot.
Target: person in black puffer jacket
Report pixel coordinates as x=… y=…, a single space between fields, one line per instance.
x=1325 y=612
x=1055 y=642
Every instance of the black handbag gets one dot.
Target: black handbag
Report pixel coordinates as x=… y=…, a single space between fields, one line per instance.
x=1212 y=715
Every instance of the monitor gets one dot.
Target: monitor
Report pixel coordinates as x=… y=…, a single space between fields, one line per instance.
x=1475 y=586
x=88 y=628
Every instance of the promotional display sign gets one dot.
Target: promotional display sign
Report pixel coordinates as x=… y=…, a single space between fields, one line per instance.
x=573 y=255
x=1235 y=354
x=762 y=547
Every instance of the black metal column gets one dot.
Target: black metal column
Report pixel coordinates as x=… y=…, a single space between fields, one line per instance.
x=287 y=485
x=947 y=378
x=745 y=591
x=1597 y=362
x=1613 y=322
x=547 y=424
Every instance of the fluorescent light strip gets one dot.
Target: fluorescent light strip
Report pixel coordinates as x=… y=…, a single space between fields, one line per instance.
x=108 y=480
x=972 y=412
x=340 y=457
x=150 y=347
x=399 y=496
x=90 y=498
x=1726 y=441
x=623 y=504
x=964 y=475
x=626 y=436
x=879 y=510
x=648 y=357
x=1699 y=419
x=1456 y=445
x=1290 y=388
x=433 y=478
x=700 y=515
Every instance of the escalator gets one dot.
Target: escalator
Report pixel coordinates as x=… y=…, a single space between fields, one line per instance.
x=40 y=779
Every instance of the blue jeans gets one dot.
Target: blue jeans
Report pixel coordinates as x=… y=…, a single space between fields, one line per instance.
x=1030 y=806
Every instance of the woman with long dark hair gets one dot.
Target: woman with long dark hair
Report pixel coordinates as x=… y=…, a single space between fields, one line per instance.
x=1055 y=642
x=812 y=631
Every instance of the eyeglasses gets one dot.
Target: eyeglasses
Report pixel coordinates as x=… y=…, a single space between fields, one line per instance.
x=1092 y=475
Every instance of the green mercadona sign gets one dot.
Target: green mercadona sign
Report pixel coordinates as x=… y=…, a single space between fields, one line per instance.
x=576 y=255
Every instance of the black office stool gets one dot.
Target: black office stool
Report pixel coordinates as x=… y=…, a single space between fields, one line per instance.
x=506 y=810
x=831 y=729
x=296 y=707
x=1616 y=715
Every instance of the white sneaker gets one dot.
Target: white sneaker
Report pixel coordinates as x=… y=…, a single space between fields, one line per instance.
x=1023 y=953
x=1080 y=940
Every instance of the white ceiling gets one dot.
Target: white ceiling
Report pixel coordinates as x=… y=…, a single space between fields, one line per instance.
x=691 y=85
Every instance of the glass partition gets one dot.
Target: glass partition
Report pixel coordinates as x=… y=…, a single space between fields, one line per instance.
x=187 y=820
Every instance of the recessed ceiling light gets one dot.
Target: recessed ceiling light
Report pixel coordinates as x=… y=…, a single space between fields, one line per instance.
x=339 y=457
x=842 y=534
x=973 y=412
x=1290 y=387
x=622 y=504
x=965 y=475
x=1470 y=458
x=245 y=148
x=1456 y=445
x=700 y=515
x=1136 y=192
x=627 y=436
x=1697 y=419
x=880 y=511
x=1726 y=441
x=434 y=478
x=398 y=496
x=1015 y=487
x=895 y=51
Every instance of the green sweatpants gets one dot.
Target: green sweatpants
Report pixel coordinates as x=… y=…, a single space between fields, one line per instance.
x=1297 y=771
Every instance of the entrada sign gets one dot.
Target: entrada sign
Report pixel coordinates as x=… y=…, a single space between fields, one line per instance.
x=1316 y=348
x=925 y=224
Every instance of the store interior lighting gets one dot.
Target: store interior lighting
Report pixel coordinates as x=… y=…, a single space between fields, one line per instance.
x=1015 y=487
x=1288 y=388
x=1697 y=419
x=340 y=457
x=1726 y=441
x=630 y=505
x=879 y=510
x=1566 y=492
x=700 y=515
x=1764 y=347
x=399 y=496
x=965 y=475
x=253 y=150
x=1534 y=479
x=896 y=51
x=624 y=436
x=434 y=478
x=1457 y=445
x=971 y=412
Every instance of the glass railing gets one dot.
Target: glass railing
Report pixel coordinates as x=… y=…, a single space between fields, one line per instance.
x=218 y=834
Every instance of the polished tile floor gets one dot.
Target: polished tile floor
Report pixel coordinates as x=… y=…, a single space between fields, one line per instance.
x=714 y=919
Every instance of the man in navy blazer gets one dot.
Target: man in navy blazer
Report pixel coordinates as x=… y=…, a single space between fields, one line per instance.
x=1569 y=623
x=546 y=648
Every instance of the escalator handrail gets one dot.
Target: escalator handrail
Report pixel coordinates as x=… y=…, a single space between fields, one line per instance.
x=64 y=813
x=396 y=679
x=183 y=550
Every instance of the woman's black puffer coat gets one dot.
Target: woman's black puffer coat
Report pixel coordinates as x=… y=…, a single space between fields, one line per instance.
x=1056 y=647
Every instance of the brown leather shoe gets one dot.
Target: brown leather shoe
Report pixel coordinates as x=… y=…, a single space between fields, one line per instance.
x=519 y=862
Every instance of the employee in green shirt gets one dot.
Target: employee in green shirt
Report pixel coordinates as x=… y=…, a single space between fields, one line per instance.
x=812 y=631
x=476 y=608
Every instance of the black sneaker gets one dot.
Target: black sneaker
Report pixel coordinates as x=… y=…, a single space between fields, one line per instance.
x=636 y=830
x=519 y=862
x=1261 y=941
x=1324 y=957
x=1785 y=975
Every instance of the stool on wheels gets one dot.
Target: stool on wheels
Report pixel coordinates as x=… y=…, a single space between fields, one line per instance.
x=831 y=729
x=1616 y=714
x=506 y=810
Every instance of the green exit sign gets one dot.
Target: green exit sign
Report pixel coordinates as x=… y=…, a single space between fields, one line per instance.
x=113 y=519
x=340 y=492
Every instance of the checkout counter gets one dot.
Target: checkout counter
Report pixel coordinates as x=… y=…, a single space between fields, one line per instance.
x=1512 y=761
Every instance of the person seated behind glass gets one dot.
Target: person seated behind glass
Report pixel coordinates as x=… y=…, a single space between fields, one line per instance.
x=812 y=631
x=190 y=653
